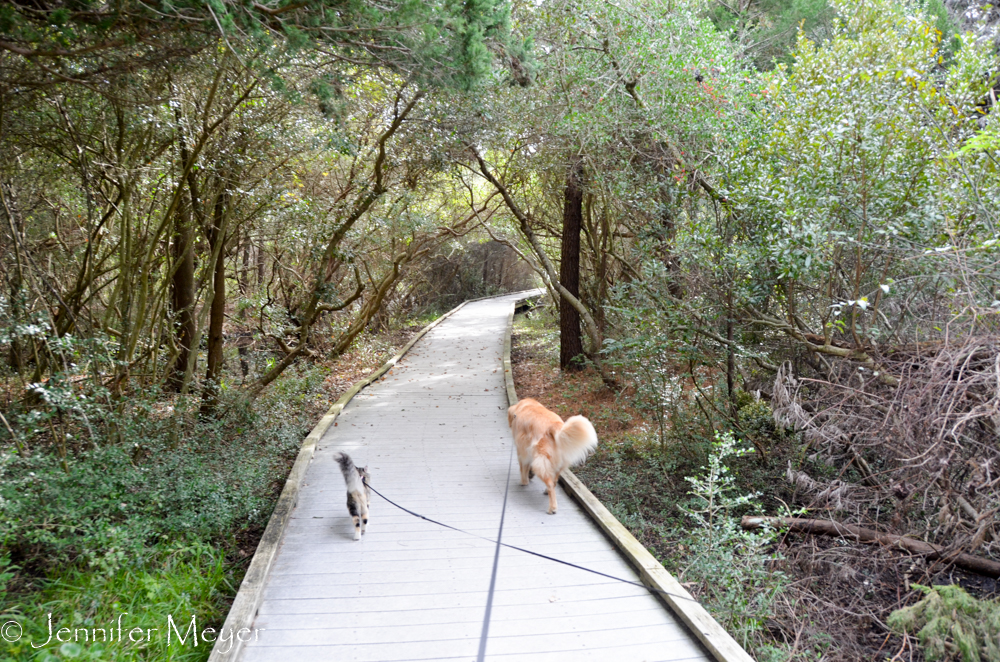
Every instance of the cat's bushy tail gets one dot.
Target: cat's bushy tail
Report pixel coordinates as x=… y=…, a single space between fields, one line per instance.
x=351 y=475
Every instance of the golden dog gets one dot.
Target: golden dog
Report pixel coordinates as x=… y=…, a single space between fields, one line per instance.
x=546 y=446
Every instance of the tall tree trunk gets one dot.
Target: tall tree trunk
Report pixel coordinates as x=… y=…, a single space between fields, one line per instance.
x=548 y=271
x=16 y=282
x=182 y=295
x=730 y=353
x=217 y=313
x=260 y=261
x=570 y=340
x=182 y=283
x=244 y=278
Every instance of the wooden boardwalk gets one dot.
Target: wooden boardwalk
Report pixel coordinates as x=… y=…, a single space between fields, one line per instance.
x=434 y=435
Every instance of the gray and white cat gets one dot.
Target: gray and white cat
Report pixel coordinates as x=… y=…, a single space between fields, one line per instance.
x=357 y=492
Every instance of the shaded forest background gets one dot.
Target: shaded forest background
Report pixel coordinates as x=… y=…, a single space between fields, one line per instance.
x=768 y=229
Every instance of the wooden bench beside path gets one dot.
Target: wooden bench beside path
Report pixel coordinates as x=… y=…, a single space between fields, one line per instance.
x=432 y=428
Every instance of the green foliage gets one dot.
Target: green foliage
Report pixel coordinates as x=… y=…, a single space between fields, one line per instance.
x=136 y=520
x=444 y=42
x=936 y=11
x=648 y=360
x=849 y=192
x=766 y=29
x=731 y=566
x=756 y=421
x=6 y=574
x=638 y=489
x=179 y=581
x=951 y=624
x=654 y=353
x=713 y=501
x=136 y=484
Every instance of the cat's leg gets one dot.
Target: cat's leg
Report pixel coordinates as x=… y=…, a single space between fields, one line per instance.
x=352 y=507
x=364 y=515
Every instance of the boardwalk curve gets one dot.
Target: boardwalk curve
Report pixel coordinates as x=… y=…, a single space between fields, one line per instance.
x=433 y=433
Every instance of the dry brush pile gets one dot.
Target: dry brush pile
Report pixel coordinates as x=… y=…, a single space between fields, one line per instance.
x=925 y=451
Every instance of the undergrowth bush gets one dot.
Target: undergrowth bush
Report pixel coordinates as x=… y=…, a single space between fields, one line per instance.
x=106 y=505
x=756 y=420
x=731 y=567
x=139 y=517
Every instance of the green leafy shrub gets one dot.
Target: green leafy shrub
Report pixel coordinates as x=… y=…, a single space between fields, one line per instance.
x=148 y=474
x=951 y=624
x=731 y=566
x=756 y=420
x=647 y=357
x=138 y=519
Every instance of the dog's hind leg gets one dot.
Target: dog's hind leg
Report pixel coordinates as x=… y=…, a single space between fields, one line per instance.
x=524 y=462
x=525 y=472
x=550 y=489
x=541 y=467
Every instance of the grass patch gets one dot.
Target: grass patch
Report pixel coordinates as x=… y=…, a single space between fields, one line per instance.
x=160 y=526
x=153 y=603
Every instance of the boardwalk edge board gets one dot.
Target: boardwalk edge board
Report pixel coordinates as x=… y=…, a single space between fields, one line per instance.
x=713 y=636
x=241 y=615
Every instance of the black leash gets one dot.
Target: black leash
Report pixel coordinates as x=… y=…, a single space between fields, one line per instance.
x=528 y=551
x=496 y=563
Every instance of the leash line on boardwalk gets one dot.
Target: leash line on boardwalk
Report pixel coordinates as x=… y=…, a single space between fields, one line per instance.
x=496 y=563
x=527 y=551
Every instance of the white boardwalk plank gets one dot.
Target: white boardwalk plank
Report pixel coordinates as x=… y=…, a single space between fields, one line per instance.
x=433 y=433
x=449 y=595
x=645 y=641
x=510 y=617
x=545 y=591
x=405 y=640
x=330 y=632
x=319 y=564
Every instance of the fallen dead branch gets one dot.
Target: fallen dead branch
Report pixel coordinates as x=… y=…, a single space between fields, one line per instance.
x=860 y=534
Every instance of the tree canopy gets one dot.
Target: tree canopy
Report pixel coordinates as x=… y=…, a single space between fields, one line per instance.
x=783 y=204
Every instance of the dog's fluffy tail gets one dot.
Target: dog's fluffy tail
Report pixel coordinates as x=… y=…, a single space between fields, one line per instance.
x=576 y=439
x=350 y=472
